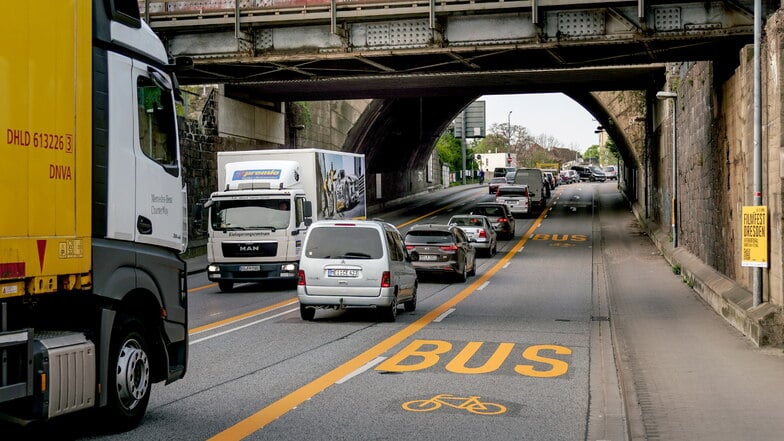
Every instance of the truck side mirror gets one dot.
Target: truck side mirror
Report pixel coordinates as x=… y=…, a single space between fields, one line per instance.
x=307 y=212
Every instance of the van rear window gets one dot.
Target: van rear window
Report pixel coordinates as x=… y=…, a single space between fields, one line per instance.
x=345 y=243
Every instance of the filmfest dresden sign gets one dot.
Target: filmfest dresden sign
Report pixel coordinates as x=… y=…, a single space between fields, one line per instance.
x=754 y=232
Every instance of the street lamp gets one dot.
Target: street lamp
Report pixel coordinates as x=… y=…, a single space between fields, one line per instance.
x=662 y=95
x=509 y=129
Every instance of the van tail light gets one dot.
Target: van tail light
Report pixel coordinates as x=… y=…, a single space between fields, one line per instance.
x=483 y=234
x=301 y=278
x=449 y=248
x=386 y=280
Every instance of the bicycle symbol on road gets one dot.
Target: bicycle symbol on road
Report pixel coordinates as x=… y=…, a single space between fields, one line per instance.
x=471 y=404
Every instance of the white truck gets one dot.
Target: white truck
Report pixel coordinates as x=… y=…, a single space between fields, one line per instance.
x=266 y=200
x=93 y=298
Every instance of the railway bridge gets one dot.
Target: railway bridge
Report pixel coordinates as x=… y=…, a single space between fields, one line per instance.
x=417 y=64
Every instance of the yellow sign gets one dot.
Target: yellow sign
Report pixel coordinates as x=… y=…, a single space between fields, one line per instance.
x=754 y=232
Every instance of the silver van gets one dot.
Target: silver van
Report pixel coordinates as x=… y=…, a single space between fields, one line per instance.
x=355 y=264
x=534 y=179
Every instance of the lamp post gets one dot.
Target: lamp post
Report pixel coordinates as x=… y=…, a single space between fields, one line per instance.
x=509 y=130
x=662 y=95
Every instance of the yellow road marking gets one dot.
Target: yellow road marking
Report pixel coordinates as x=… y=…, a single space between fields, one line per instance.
x=280 y=407
x=237 y=318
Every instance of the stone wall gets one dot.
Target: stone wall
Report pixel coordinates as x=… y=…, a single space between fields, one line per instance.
x=715 y=157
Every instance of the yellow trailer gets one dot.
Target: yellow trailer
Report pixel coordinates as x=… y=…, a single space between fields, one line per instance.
x=92 y=288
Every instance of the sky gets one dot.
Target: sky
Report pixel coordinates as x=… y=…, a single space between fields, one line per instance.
x=552 y=114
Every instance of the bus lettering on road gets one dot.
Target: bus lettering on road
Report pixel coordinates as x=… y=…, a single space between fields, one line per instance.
x=425 y=354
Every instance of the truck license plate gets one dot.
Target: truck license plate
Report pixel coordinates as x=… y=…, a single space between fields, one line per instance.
x=342 y=273
x=250 y=268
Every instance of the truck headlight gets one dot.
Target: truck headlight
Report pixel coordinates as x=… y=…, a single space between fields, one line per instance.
x=213 y=269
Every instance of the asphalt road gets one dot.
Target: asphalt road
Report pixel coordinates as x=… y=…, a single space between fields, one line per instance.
x=525 y=350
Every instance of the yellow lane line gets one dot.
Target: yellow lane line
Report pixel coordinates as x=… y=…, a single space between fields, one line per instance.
x=237 y=318
x=199 y=288
x=280 y=407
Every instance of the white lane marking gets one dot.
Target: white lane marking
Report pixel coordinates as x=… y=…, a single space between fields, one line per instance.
x=199 y=340
x=360 y=370
x=483 y=286
x=443 y=316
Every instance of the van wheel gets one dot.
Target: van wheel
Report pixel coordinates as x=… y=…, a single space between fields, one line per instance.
x=225 y=286
x=410 y=306
x=130 y=376
x=389 y=313
x=306 y=313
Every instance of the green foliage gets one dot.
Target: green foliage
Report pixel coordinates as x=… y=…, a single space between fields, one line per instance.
x=592 y=152
x=492 y=143
x=450 y=152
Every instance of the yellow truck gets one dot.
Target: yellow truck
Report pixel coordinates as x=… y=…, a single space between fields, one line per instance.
x=92 y=289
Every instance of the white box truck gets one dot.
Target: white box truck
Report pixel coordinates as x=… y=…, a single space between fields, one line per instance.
x=266 y=200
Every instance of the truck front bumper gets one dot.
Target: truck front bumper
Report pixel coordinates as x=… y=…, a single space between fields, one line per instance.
x=251 y=272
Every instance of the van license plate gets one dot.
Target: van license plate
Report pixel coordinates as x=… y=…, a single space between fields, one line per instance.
x=250 y=268
x=342 y=273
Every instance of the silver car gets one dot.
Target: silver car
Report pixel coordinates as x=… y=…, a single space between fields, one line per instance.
x=479 y=230
x=355 y=264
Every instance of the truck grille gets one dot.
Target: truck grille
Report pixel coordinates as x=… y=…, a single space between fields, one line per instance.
x=249 y=249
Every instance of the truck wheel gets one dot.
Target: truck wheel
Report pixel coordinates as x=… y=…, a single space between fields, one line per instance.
x=225 y=286
x=130 y=379
x=306 y=313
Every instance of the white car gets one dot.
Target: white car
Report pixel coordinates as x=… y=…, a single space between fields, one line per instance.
x=479 y=230
x=516 y=197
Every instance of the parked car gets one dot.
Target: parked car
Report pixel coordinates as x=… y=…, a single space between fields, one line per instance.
x=573 y=176
x=441 y=250
x=597 y=174
x=564 y=178
x=358 y=263
x=495 y=182
x=479 y=231
x=611 y=172
x=516 y=197
x=499 y=216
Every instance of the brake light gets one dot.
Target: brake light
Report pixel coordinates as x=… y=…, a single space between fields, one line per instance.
x=483 y=233
x=301 y=278
x=503 y=219
x=410 y=247
x=449 y=248
x=386 y=280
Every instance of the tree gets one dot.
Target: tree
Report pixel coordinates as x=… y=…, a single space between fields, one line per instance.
x=591 y=152
x=450 y=152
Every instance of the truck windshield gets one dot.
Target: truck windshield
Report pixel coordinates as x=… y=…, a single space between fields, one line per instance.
x=250 y=214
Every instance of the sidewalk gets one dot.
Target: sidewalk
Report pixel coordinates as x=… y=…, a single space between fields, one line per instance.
x=686 y=374
x=763 y=324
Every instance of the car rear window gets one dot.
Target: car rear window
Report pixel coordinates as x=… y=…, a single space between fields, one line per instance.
x=489 y=211
x=511 y=191
x=428 y=237
x=344 y=242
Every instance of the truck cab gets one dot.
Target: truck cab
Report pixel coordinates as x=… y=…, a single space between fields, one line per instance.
x=256 y=225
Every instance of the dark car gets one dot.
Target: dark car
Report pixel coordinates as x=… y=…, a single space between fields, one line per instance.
x=499 y=216
x=441 y=250
x=589 y=173
x=495 y=182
